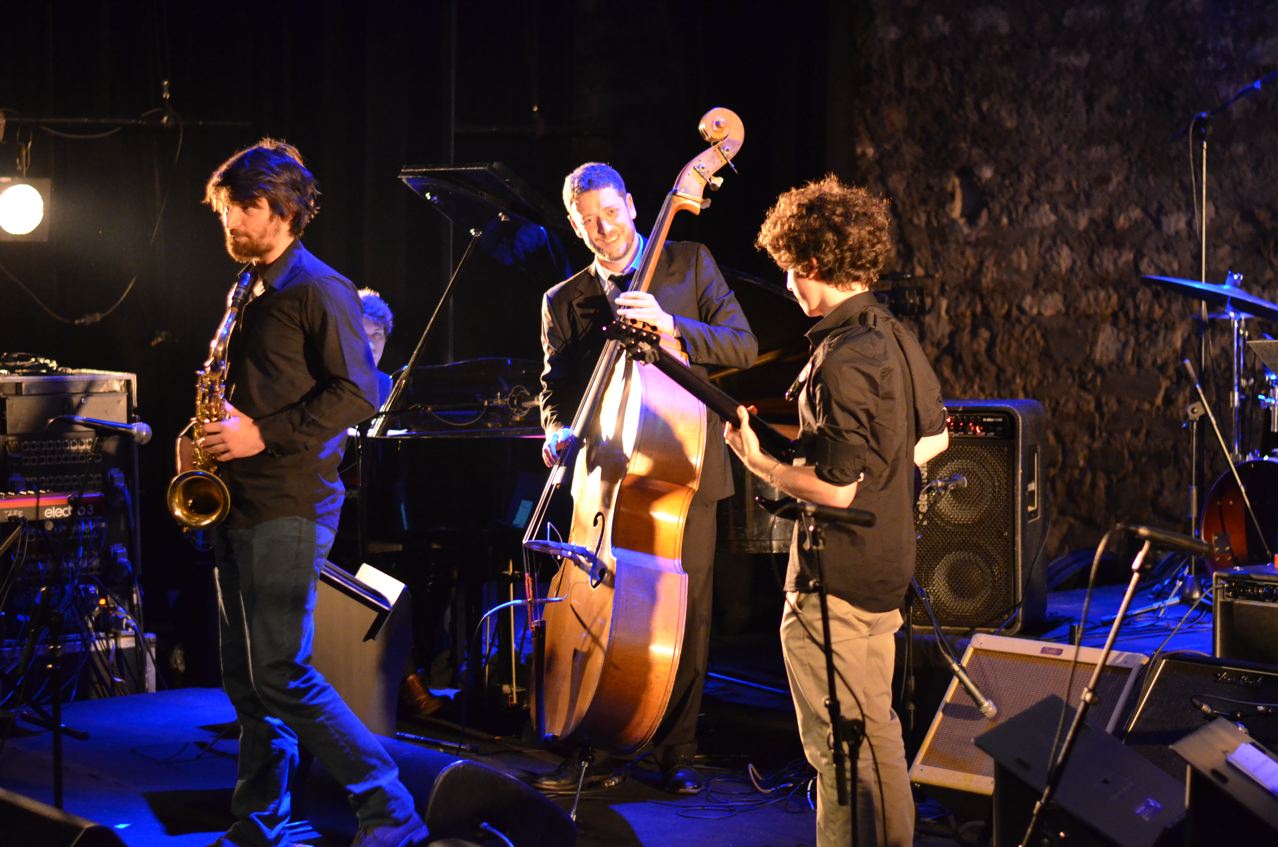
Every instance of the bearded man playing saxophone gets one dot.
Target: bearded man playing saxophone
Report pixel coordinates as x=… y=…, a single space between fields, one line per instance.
x=300 y=373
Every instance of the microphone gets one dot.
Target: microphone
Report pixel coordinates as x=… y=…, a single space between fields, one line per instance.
x=791 y=509
x=942 y=486
x=139 y=432
x=983 y=703
x=1171 y=540
x=521 y=400
x=562 y=549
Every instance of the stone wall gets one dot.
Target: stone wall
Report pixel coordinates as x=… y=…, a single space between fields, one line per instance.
x=1028 y=150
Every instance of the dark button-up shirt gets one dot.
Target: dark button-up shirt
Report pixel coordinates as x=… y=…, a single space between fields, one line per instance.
x=301 y=367
x=865 y=397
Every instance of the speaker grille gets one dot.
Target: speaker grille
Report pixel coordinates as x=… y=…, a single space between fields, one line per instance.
x=1014 y=674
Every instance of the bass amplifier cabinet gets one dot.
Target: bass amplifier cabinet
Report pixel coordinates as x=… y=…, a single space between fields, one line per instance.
x=1013 y=674
x=1184 y=692
x=1245 y=614
x=982 y=520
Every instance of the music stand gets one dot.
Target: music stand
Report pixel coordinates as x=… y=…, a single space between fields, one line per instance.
x=469 y=195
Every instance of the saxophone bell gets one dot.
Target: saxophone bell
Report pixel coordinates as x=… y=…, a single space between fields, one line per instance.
x=197 y=497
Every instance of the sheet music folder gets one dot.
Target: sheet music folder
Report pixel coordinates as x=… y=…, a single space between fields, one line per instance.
x=472 y=195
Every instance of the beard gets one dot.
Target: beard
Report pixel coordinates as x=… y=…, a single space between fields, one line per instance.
x=245 y=248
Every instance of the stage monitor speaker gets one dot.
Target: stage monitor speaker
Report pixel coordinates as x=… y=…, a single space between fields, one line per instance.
x=1105 y=795
x=1230 y=788
x=1183 y=693
x=363 y=636
x=34 y=824
x=1245 y=614
x=1014 y=674
x=470 y=800
x=980 y=546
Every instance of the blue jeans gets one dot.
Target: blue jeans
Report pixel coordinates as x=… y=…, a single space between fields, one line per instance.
x=266 y=580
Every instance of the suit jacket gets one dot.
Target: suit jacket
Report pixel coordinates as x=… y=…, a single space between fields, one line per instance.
x=688 y=285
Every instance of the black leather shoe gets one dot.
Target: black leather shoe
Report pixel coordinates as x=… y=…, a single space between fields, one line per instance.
x=680 y=777
x=599 y=773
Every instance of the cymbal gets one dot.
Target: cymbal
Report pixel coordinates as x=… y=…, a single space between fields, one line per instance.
x=1229 y=296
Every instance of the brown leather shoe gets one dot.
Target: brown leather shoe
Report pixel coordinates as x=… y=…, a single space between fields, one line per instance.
x=416 y=700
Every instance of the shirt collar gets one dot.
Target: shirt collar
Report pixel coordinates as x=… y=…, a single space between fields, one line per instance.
x=273 y=273
x=604 y=274
x=847 y=313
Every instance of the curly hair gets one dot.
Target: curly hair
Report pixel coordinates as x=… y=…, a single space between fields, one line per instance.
x=272 y=169
x=592 y=176
x=829 y=231
x=377 y=310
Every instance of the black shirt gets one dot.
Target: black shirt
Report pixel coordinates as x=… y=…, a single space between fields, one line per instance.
x=867 y=395
x=301 y=367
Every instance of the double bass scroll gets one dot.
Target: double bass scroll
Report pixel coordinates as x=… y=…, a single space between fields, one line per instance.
x=605 y=656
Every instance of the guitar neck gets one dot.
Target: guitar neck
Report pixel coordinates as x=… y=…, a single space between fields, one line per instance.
x=721 y=403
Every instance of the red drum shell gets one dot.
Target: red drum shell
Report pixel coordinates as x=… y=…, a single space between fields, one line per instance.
x=1225 y=512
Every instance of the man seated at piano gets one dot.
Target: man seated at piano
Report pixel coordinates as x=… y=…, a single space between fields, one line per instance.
x=689 y=300
x=379 y=320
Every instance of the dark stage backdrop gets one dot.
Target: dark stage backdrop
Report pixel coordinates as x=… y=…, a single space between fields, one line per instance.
x=1025 y=146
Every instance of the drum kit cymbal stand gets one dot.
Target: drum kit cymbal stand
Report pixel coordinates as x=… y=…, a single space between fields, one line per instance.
x=1230 y=491
x=1238 y=306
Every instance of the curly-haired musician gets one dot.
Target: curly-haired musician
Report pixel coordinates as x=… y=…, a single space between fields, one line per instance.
x=869 y=408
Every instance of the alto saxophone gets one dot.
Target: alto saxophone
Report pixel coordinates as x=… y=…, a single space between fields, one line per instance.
x=198 y=499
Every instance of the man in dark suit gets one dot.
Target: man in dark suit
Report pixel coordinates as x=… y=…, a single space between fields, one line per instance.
x=689 y=300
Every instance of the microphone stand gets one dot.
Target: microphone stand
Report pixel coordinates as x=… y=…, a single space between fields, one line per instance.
x=1199 y=127
x=986 y=707
x=842 y=729
x=1229 y=459
x=1088 y=697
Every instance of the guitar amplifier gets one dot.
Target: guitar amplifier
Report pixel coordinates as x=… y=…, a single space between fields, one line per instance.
x=1245 y=619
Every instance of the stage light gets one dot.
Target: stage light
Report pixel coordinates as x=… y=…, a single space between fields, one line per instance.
x=24 y=209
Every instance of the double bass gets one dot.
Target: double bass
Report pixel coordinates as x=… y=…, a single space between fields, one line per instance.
x=607 y=638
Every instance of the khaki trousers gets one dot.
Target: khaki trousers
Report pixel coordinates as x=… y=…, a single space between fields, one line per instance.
x=864 y=650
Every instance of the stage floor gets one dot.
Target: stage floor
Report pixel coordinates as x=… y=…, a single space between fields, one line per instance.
x=160 y=767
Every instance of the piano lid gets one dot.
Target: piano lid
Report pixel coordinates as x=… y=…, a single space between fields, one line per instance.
x=472 y=195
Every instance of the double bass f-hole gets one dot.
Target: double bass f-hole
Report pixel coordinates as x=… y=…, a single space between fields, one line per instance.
x=605 y=657
x=597 y=569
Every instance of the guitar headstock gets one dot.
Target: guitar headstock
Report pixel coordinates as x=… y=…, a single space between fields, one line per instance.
x=640 y=341
x=725 y=132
